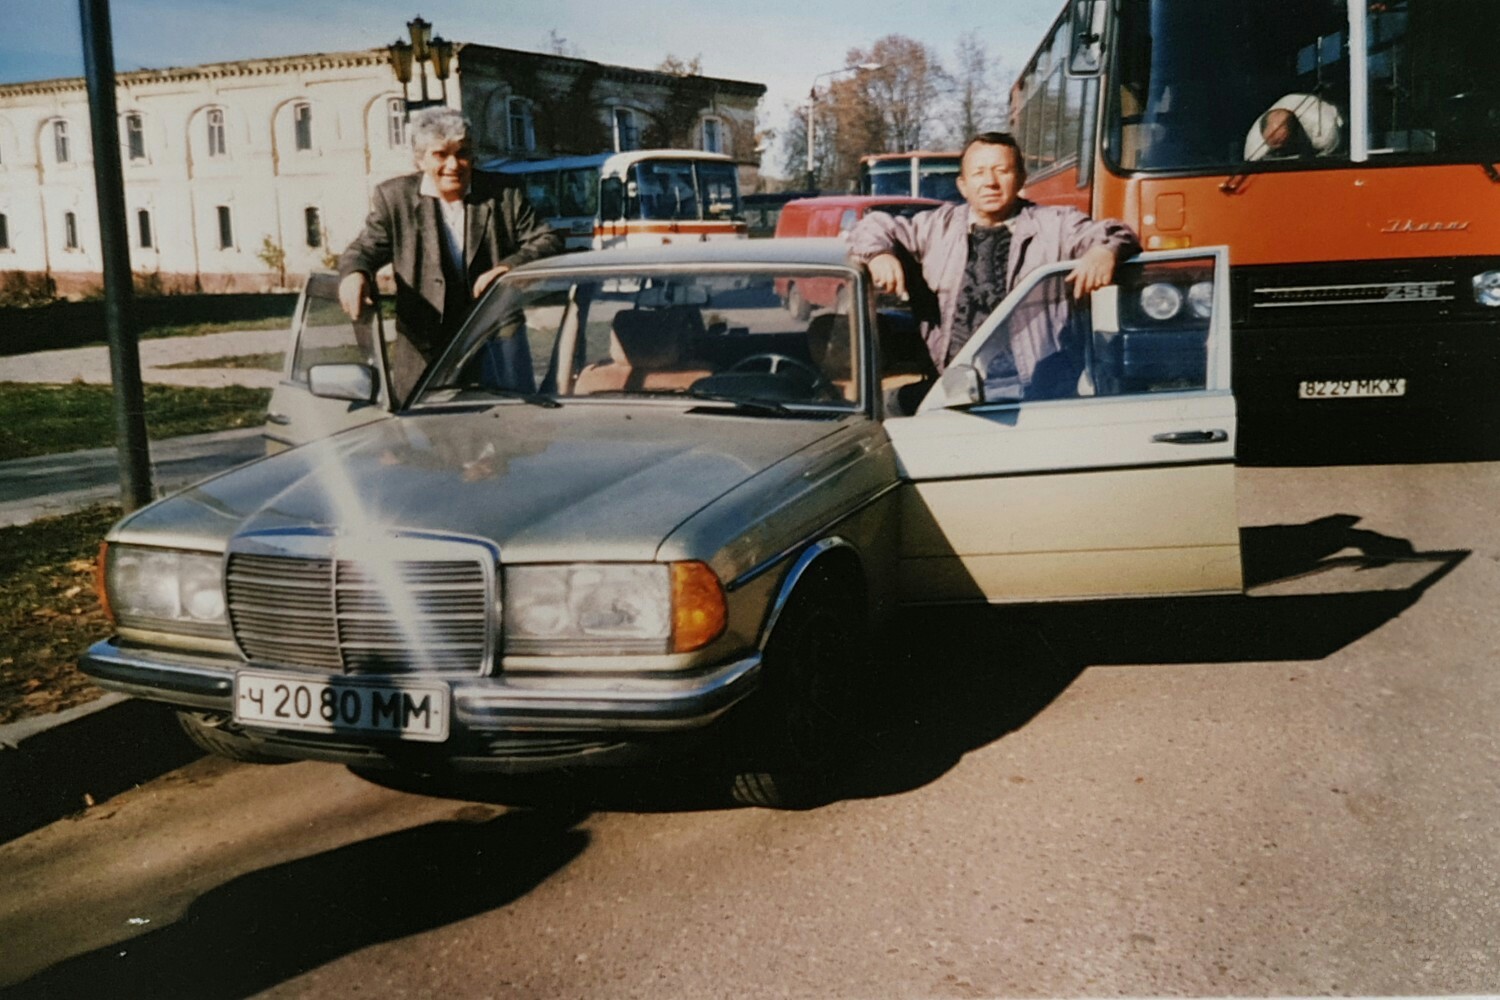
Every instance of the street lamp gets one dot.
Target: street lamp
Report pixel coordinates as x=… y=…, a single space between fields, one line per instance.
x=812 y=106
x=409 y=57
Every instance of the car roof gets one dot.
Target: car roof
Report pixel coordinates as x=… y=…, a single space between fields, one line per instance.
x=800 y=252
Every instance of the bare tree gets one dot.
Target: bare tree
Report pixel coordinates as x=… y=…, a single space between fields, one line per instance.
x=894 y=108
x=560 y=46
x=678 y=67
x=980 y=94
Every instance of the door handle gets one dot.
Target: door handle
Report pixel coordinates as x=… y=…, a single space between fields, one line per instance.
x=280 y=419
x=1191 y=437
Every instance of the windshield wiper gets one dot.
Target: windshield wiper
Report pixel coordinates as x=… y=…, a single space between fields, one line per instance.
x=534 y=398
x=755 y=405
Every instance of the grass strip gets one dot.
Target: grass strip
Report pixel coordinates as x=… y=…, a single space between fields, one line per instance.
x=50 y=419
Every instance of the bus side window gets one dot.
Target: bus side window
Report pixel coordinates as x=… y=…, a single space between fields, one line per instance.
x=611 y=198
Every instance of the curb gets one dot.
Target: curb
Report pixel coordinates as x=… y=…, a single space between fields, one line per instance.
x=57 y=765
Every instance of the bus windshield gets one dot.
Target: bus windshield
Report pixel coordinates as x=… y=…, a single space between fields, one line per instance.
x=1267 y=82
x=683 y=189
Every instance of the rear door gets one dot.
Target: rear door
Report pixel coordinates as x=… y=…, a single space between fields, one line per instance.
x=322 y=333
x=1110 y=474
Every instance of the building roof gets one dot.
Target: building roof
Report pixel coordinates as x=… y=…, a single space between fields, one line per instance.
x=475 y=54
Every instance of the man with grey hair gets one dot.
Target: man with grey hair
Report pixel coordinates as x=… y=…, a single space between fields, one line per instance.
x=448 y=233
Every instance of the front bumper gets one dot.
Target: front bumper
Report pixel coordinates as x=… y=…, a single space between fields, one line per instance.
x=507 y=716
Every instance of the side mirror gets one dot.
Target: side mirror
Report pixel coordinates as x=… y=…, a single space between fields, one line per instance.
x=356 y=383
x=1086 y=23
x=960 y=385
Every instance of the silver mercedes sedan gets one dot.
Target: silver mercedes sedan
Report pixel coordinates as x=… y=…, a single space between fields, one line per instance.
x=640 y=503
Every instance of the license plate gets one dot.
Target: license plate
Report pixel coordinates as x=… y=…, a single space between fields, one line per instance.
x=342 y=705
x=1351 y=388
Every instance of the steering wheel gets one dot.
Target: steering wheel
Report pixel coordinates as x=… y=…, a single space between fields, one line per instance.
x=818 y=381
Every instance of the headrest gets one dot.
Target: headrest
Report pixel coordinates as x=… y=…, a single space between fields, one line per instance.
x=828 y=343
x=646 y=338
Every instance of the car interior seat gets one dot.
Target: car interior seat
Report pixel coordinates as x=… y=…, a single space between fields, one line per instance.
x=648 y=349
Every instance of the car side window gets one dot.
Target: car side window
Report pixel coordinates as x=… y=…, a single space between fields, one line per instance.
x=1148 y=333
x=328 y=336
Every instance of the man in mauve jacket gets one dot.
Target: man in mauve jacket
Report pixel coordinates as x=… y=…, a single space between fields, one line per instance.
x=970 y=255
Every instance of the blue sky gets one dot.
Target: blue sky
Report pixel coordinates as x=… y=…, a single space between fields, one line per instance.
x=781 y=43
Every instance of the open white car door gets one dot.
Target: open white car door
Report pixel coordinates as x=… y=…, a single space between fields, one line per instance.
x=322 y=334
x=1108 y=472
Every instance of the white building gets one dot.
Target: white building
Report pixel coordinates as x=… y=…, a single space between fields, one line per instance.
x=224 y=161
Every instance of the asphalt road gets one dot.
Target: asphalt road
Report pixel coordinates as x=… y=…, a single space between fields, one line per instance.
x=1293 y=792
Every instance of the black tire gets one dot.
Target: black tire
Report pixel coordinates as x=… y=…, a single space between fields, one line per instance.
x=206 y=729
x=796 y=304
x=793 y=737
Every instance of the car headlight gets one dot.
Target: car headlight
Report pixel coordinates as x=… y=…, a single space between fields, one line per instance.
x=165 y=589
x=1487 y=288
x=608 y=608
x=1161 y=301
x=1201 y=299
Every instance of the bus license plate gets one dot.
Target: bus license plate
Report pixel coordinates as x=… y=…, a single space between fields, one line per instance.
x=340 y=705
x=1351 y=388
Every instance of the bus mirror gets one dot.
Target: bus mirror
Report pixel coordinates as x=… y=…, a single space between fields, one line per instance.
x=1086 y=55
x=610 y=199
x=1104 y=309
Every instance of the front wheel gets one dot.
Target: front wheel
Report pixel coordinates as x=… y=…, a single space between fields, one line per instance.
x=206 y=729
x=792 y=738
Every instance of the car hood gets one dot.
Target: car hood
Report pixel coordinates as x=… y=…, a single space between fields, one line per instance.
x=596 y=481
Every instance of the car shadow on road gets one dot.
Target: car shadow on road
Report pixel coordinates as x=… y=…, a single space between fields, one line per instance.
x=980 y=673
x=268 y=926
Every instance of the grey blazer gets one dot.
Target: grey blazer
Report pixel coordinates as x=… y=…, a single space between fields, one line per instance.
x=403 y=230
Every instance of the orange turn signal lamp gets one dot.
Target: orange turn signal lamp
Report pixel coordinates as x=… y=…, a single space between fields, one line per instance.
x=699 y=612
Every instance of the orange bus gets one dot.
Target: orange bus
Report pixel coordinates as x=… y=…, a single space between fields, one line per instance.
x=1344 y=150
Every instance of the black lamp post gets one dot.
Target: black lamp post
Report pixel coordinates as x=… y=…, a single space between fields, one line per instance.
x=413 y=56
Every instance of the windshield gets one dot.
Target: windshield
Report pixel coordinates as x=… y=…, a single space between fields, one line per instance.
x=886 y=177
x=1266 y=83
x=938 y=179
x=784 y=339
x=683 y=189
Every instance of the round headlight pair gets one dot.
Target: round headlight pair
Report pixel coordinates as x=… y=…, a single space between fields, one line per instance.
x=1163 y=301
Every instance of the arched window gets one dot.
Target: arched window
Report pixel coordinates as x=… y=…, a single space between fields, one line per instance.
x=216 y=143
x=226 y=228
x=60 y=149
x=135 y=136
x=70 y=231
x=627 y=134
x=711 y=135
x=521 y=129
x=143 y=227
x=302 y=125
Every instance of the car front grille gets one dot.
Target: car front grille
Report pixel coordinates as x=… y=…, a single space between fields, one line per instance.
x=358 y=616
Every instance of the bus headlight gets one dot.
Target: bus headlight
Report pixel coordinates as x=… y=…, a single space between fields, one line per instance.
x=1487 y=288
x=1201 y=299
x=1161 y=301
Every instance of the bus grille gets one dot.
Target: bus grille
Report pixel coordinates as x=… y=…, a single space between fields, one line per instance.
x=360 y=617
